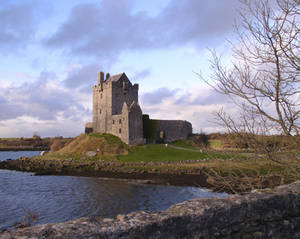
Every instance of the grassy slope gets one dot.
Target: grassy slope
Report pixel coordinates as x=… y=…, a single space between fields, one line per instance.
x=160 y=153
x=224 y=170
x=102 y=144
x=188 y=144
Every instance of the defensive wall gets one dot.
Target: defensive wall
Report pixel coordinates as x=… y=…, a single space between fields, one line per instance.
x=260 y=214
x=164 y=131
x=171 y=130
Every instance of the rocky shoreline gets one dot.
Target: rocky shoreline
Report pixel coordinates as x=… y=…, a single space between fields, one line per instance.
x=199 y=173
x=151 y=173
x=260 y=214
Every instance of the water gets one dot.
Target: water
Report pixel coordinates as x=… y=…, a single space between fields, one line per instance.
x=62 y=198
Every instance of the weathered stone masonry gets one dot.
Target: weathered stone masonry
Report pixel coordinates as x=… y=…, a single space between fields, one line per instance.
x=262 y=214
x=116 y=111
x=171 y=130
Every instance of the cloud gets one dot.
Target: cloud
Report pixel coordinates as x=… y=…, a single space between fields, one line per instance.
x=43 y=99
x=26 y=126
x=207 y=97
x=2 y=100
x=196 y=105
x=82 y=77
x=48 y=107
x=157 y=96
x=17 y=26
x=141 y=75
x=105 y=32
x=196 y=96
x=107 y=29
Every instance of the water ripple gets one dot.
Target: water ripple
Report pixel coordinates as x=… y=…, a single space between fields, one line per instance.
x=61 y=198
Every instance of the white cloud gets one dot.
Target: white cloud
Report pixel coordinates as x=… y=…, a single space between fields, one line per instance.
x=107 y=29
x=17 y=27
x=44 y=105
x=195 y=104
x=26 y=126
x=94 y=37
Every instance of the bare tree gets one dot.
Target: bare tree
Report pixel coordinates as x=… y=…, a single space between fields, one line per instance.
x=264 y=77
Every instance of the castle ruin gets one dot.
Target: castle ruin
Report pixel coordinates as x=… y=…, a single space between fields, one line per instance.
x=116 y=111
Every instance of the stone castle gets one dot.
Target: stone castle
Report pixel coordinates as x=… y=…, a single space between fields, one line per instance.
x=116 y=111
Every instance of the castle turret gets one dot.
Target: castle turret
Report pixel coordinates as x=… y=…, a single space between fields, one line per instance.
x=107 y=76
x=101 y=79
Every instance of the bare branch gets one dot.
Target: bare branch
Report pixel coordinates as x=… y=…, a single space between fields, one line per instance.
x=265 y=73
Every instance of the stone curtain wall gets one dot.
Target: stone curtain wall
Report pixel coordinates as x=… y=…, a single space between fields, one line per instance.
x=173 y=129
x=149 y=129
x=264 y=214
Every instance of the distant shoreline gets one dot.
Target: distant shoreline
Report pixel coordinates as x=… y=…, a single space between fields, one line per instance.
x=24 y=149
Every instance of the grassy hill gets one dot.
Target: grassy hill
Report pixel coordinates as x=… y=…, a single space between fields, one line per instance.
x=100 y=144
x=161 y=153
x=106 y=155
x=107 y=147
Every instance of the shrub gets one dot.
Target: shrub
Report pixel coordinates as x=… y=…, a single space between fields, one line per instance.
x=201 y=139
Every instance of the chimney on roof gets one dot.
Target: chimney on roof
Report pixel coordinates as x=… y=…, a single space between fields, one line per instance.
x=107 y=76
x=101 y=79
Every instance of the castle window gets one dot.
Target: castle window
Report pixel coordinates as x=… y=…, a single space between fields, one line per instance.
x=113 y=121
x=120 y=121
x=120 y=131
x=100 y=111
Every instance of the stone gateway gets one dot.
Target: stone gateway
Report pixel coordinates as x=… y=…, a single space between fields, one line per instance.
x=116 y=111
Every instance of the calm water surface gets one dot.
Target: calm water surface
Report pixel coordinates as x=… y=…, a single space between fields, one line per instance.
x=61 y=198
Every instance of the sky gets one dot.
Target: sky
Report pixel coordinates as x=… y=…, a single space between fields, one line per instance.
x=52 y=50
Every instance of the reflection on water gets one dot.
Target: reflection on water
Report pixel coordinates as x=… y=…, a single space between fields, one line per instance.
x=61 y=198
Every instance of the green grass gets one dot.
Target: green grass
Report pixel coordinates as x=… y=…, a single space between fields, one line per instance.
x=111 y=139
x=103 y=144
x=61 y=156
x=10 y=139
x=160 y=153
x=77 y=157
x=188 y=144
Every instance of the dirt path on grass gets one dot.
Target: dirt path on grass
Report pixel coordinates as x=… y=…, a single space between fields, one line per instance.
x=181 y=148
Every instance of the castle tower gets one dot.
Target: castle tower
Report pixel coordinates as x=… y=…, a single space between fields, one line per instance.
x=116 y=109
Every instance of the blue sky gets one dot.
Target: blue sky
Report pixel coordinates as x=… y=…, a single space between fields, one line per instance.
x=52 y=50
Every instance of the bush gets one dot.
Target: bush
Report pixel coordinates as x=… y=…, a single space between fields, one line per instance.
x=201 y=139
